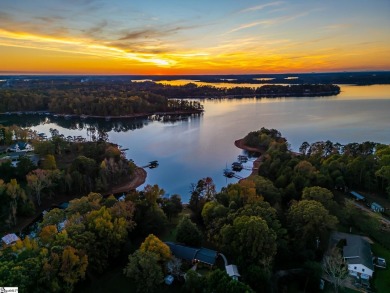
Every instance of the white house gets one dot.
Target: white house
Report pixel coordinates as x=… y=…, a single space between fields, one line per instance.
x=21 y=147
x=357 y=254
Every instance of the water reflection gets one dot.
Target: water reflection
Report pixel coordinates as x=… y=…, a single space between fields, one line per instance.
x=201 y=146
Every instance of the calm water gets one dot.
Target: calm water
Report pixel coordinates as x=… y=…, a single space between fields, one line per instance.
x=202 y=146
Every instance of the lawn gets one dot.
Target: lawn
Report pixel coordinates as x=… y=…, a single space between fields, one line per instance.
x=381 y=276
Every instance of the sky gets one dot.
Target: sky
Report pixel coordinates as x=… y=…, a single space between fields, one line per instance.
x=193 y=37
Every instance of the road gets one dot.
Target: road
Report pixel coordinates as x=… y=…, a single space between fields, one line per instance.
x=367 y=210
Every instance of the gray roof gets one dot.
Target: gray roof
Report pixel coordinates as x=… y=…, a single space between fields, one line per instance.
x=357 y=250
x=204 y=255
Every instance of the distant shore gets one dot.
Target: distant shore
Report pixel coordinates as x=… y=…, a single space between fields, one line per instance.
x=107 y=117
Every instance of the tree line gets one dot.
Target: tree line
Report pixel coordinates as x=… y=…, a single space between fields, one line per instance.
x=126 y=98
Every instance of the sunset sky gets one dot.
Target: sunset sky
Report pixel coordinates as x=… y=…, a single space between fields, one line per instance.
x=193 y=37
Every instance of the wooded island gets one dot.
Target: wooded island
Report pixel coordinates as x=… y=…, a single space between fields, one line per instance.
x=116 y=99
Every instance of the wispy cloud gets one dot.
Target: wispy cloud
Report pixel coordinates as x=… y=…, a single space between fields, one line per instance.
x=272 y=21
x=262 y=6
x=248 y=25
x=78 y=46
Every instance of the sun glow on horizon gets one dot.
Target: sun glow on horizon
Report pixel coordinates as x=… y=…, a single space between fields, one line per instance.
x=238 y=38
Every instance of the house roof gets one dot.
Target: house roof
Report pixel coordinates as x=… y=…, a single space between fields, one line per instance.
x=10 y=238
x=190 y=253
x=357 y=250
x=20 y=144
x=357 y=195
x=232 y=271
x=206 y=255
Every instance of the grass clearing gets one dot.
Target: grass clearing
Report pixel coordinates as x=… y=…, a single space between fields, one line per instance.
x=381 y=276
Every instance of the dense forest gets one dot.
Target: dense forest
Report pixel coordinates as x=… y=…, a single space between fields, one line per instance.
x=66 y=166
x=128 y=98
x=272 y=224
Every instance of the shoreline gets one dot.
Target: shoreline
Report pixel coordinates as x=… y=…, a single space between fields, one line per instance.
x=86 y=116
x=239 y=143
x=137 y=180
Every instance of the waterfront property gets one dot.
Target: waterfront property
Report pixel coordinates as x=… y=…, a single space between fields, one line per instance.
x=357 y=254
x=20 y=147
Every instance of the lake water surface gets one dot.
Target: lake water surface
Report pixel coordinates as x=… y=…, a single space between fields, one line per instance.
x=202 y=146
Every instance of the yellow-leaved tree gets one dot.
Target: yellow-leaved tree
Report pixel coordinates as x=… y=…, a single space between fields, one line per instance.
x=155 y=245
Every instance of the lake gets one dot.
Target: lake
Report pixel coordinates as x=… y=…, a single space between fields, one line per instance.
x=203 y=145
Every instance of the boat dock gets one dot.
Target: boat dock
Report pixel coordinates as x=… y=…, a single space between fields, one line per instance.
x=151 y=165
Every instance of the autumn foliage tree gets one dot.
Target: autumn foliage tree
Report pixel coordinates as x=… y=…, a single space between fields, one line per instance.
x=155 y=245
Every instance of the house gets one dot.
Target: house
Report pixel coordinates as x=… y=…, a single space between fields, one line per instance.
x=20 y=147
x=357 y=253
x=376 y=207
x=10 y=239
x=232 y=271
x=194 y=255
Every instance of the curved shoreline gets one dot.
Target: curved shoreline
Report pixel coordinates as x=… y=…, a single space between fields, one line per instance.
x=239 y=143
x=137 y=180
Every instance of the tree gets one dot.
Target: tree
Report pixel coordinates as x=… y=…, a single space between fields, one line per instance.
x=53 y=217
x=73 y=267
x=38 y=180
x=48 y=234
x=194 y=283
x=250 y=241
x=335 y=267
x=172 y=206
x=155 y=245
x=304 y=147
x=152 y=193
x=110 y=233
x=174 y=266
x=49 y=163
x=144 y=269
x=267 y=189
x=219 y=282
x=188 y=233
x=24 y=167
x=202 y=192
x=15 y=193
x=309 y=219
x=322 y=195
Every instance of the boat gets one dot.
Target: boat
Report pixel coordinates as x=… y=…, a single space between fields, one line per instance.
x=242 y=158
x=153 y=164
x=228 y=173
x=237 y=166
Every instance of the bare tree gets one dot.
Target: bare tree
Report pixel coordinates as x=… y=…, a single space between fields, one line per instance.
x=335 y=267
